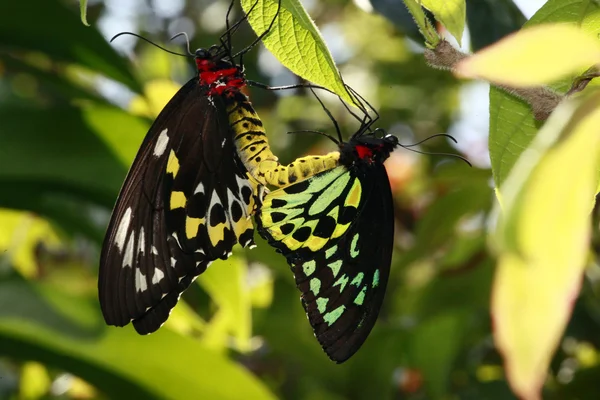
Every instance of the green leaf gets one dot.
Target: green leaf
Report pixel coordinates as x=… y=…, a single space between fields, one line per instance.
x=83 y=11
x=533 y=57
x=66 y=332
x=296 y=42
x=451 y=13
x=433 y=347
x=21 y=29
x=73 y=161
x=542 y=241
x=225 y=282
x=512 y=125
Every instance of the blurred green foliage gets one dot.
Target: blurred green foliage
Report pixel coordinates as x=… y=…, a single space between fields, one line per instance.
x=67 y=138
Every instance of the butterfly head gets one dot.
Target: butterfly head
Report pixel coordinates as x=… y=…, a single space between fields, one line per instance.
x=369 y=147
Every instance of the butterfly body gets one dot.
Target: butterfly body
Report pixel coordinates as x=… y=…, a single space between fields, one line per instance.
x=336 y=230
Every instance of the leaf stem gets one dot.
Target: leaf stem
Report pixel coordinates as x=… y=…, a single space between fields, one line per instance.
x=425 y=26
x=542 y=99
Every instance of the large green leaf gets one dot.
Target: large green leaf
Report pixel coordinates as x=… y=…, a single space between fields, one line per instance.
x=512 y=126
x=44 y=324
x=296 y=42
x=49 y=26
x=68 y=150
x=542 y=241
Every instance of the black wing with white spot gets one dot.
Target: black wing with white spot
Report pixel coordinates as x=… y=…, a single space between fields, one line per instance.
x=185 y=202
x=336 y=230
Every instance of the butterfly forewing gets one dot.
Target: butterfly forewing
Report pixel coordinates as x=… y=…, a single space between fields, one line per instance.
x=336 y=230
x=184 y=203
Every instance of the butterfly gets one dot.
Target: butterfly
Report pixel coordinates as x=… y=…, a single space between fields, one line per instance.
x=187 y=199
x=336 y=230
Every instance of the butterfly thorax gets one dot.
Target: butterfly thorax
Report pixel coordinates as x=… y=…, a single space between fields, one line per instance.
x=220 y=76
x=367 y=150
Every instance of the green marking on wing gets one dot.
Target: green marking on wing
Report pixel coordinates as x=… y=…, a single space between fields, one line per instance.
x=376 y=278
x=360 y=298
x=332 y=192
x=334 y=315
x=357 y=279
x=353 y=249
x=309 y=267
x=330 y=252
x=343 y=281
x=335 y=267
x=315 y=286
x=322 y=304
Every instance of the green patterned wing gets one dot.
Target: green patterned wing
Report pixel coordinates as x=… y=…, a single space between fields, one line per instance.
x=336 y=230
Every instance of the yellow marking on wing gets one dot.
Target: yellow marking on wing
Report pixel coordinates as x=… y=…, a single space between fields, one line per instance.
x=291 y=243
x=177 y=200
x=315 y=243
x=340 y=230
x=172 y=164
x=354 y=195
x=216 y=233
x=242 y=226
x=191 y=226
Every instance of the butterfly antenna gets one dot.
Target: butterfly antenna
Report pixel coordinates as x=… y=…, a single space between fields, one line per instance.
x=187 y=41
x=225 y=38
x=262 y=35
x=334 y=140
x=149 y=41
x=409 y=147
x=337 y=127
x=363 y=100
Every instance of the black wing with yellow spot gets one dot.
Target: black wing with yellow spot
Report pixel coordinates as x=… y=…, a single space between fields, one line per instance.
x=185 y=202
x=336 y=230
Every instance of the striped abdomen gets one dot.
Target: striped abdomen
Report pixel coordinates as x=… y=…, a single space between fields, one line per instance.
x=254 y=151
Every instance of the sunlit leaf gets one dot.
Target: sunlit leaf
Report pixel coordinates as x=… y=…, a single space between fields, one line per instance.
x=512 y=125
x=35 y=382
x=296 y=42
x=83 y=12
x=542 y=241
x=533 y=56
x=225 y=282
x=451 y=13
x=20 y=234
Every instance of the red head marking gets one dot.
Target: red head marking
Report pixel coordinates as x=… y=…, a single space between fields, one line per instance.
x=364 y=151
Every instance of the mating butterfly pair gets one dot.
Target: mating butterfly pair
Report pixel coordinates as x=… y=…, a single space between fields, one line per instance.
x=199 y=176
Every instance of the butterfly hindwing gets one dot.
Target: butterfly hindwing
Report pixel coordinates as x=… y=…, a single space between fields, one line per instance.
x=184 y=203
x=336 y=230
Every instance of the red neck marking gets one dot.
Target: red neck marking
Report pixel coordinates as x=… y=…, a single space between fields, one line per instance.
x=364 y=152
x=219 y=81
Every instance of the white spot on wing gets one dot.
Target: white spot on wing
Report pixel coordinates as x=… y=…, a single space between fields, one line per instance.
x=199 y=188
x=161 y=143
x=141 y=241
x=157 y=277
x=128 y=257
x=223 y=142
x=154 y=250
x=140 y=281
x=121 y=234
x=173 y=262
